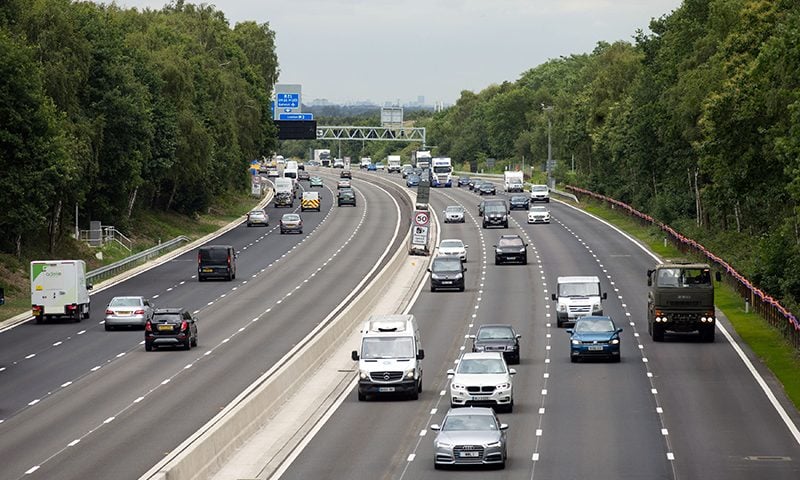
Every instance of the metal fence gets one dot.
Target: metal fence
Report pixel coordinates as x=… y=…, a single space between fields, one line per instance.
x=126 y=263
x=766 y=306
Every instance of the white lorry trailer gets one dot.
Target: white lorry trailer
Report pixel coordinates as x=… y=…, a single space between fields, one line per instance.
x=442 y=172
x=393 y=162
x=59 y=290
x=323 y=157
x=512 y=181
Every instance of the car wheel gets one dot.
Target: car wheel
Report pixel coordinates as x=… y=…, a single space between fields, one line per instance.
x=617 y=359
x=148 y=347
x=510 y=407
x=433 y=289
x=707 y=334
x=187 y=345
x=414 y=395
x=497 y=261
x=361 y=396
x=573 y=359
x=437 y=466
x=658 y=333
x=108 y=328
x=559 y=323
x=525 y=260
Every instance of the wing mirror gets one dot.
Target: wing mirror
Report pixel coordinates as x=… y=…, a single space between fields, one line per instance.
x=503 y=426
x=354 y=355
x=435 y=427
x=570 y=331
x=605 y=295
x=451 y=373
x=718 y=276
x=420 y=354
x=554 y=297
x=511 y=371
x=619 y=330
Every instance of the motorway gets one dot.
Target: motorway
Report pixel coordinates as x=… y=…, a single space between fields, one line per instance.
x=677 y=410
x=77 y=402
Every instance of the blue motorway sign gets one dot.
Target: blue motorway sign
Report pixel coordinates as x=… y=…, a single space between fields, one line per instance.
x=296 y=116
x=288 y=100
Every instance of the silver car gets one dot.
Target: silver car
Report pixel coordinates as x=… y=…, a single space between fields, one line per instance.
x=131 y=311
x=453 y=247
x=291 y=222
x=470 y=436
x=454 y=214
x=257 y=217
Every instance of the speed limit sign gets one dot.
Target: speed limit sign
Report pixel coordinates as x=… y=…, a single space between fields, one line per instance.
x=421 y=219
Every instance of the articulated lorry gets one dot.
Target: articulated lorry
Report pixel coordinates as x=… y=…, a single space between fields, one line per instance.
x=323 y=156
x=421 y=159
x=442 y=175
x=681 y=299
x=59 y=290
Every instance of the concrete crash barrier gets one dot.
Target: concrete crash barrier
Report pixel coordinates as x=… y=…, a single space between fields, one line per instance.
x=208 y=449
x=775 y=313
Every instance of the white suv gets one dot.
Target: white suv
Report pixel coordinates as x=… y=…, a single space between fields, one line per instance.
x=482 y=379
x=540 y=193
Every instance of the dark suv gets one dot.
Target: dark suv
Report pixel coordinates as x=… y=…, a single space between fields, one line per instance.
x=346 y=196
x=497 y=337
x=216 y=261
x=495 y=215
x=447 y=272
x=510 y=248
x=171 y=327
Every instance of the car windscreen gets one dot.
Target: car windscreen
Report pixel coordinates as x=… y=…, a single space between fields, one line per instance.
x=125 y=302
x=481 y=365
x=469 y=422
x=167 y=317
x=539 y=188
x=510 y=242
x=495 y=333
x=387 y=347
x=519 y=198
x=214 y=255
x=256 y=213
x=587 y=326
x=539 y=209
x=290 y=217
x=446 y=265
x=590 y=289
x=454 y=210
x=495 y=209
x=487 y=185
x=451 y=244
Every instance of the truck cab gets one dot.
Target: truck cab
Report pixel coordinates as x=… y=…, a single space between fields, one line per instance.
x=576 y=297
x=681 y=299
x=390 y=357
x=441 y=176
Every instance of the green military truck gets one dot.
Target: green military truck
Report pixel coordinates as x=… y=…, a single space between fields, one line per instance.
x=681 y=299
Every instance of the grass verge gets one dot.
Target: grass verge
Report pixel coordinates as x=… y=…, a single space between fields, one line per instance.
x=148 y=229
x=764 y=340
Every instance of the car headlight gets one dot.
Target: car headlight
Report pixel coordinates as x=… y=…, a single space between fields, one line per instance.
x=503 y=386
x=505 y=217
x=562 y=307
x=457 y=386
x=460 y=275
x=479 y=348
x=364 y=374
x=494 y=444
x=436 y=276
x=614 y=341
x=576 y=342
x=443 y=445
x=596 y=307
x=411 y=373
x=522 y=250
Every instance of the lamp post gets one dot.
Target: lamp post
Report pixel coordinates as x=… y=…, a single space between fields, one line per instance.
x=547 y=109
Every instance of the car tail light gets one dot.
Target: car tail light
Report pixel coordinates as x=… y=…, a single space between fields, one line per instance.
x=148 y=327
x=139 y=312
x=37 y=309
x=109 y=312
x=184 y=325
x=72 y=307
x=198 y=258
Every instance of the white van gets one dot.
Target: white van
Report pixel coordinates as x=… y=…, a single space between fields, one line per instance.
x=577 y=297
x=389 y=359
x=59 y=290
x=290 y=170
x=284 y=192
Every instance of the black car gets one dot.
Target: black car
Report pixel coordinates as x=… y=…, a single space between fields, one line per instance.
x=447 y=272
x=345 y=174
x=346 y=196
x=522 y=202
x=510 y=248
x=216 y=261
x=490 y=201
x=463 y=181
x=487 y=188
x=303 y=175
x=171 y=327
x=497 y=337
x=495 y=215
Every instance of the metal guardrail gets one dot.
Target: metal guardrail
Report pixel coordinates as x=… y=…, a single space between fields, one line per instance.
x=127 y=263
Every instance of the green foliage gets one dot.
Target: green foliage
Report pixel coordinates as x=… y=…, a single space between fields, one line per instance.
x=121 y=111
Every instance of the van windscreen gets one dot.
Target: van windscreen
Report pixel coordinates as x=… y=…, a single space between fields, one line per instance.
x=387 y=347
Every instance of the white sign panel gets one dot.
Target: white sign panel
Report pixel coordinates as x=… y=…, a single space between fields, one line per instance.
x=419 y=236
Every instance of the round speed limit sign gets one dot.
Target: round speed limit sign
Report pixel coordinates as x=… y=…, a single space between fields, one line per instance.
x=421 y=219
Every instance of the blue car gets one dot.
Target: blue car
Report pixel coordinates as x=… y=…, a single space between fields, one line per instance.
x=412 y=181
x=372 y=167
x=594 y=336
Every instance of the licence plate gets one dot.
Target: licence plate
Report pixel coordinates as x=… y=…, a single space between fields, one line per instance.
x=447 y=282
x=208 y=270
x=478 y=399
x=167 y=328
x=595 y=348
x=122 y=314
x=386 y=389
x=469 y=454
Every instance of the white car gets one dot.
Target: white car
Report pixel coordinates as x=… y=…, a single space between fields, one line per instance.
x=453 y=247
x=482 y=379
x=539 y=215
x=454 y=214
x=540 y=193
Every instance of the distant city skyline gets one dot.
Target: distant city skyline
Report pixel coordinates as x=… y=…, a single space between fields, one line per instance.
x=379 y=50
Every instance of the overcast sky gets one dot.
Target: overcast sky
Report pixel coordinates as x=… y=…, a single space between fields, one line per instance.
x=385 y=50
